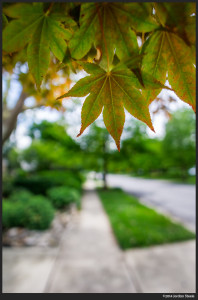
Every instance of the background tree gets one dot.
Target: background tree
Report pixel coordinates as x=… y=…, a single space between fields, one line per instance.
x=97 y=153
x=50 y=91
x=140 y=154
x=178 y=145
x=52 y=148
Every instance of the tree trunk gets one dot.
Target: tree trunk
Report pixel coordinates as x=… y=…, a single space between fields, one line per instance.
x=10 y=122
x=104 y=179
x=105 y=164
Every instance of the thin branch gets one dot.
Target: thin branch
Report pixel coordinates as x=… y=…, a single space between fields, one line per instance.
x=32 y=107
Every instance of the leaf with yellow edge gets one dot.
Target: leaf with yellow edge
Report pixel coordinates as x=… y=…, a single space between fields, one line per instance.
x=177 y=17
x=23 y=10
x=41 y=31
x=57 y=36
x=107 y=27
x=181 y=73
x=114 y=90
x=167 y=53
x=139 y=15
x=4 y=21
x=38 y=53
x=155 y=61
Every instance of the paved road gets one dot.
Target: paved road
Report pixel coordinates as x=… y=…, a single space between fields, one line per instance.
x=177 y=200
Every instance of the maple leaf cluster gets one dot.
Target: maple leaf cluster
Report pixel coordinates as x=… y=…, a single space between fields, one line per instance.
x=105 y=41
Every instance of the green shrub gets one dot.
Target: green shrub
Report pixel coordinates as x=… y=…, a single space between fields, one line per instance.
x=13 y=214
x=36 y=213
x=42 y=181
x=62 y=196
x=20 y=195
x=34 y=183
x=68 y=178
x=7 y=186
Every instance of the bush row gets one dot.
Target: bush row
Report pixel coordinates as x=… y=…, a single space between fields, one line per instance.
x=35 y=212
x=24 y=209
x=42 y=181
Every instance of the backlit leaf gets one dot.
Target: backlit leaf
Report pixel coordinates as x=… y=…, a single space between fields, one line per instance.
x=190 y=30
x=167 y=52
x=177 y=17
x=19 y=32
x=38 y=53
x=57 y=36
x=21 y=10
x=4 y=21
x=139 y=15
x=83 y=38
x=114 y=91
x=155 y=61
x=41 y=31
x=105 y=26
x=181 y=73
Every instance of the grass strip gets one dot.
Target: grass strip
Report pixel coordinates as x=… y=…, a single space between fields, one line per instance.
x=136 y=225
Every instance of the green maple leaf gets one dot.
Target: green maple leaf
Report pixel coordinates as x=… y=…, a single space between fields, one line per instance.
x=20 y=10
x=154 y=61
x=168 y=56
x=18 y=33
x=38 y=53
x=139 y=15
x=181 y=72
x=112 y=91
x=4 y=21
x=109 y=27
x=178 y=17
x=42 y=33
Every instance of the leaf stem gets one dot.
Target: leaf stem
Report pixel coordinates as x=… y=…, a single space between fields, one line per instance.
x=49 y=9
x=142 y=38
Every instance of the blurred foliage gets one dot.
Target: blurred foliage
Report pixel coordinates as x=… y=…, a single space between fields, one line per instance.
x=169 y=157
x=64 y=177
x=7 y=185
x=178 y=145
x=55 y=165
x=52 y=148
x=39 y=183
x=95 y=147
x=34 y=212
x=97 y=152
x=20 y=195
x=140 y=154
x=61 y=197
x=55 y=159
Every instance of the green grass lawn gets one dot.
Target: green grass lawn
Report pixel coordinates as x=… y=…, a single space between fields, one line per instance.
x=136 y=225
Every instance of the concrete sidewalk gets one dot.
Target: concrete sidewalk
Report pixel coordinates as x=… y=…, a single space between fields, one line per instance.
x=170 y=268
x=89 y=260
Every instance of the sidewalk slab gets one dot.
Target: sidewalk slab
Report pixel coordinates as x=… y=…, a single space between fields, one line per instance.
x=169 y=268
x=26 y=270
x=90 y=260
